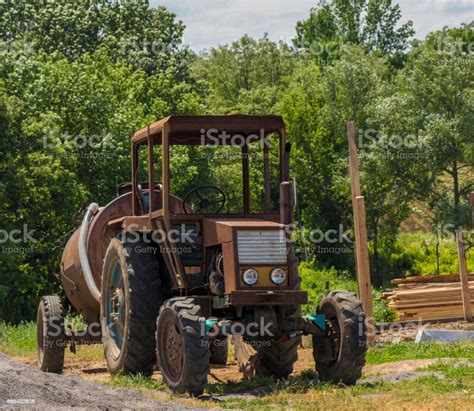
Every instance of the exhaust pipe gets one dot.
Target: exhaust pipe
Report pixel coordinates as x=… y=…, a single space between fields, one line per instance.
x=86 y=268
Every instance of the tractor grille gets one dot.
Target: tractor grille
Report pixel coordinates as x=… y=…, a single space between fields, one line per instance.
x=262 y=247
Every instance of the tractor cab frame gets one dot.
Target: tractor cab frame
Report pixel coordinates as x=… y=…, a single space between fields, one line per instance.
x=217 y=228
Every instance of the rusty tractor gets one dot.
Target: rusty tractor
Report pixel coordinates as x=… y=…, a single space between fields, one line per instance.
x=167 y=282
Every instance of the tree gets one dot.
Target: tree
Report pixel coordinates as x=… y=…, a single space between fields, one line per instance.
x=127 y=31
x=438 y=86
x=245 y=76
x=316 y=107
x=333 y=26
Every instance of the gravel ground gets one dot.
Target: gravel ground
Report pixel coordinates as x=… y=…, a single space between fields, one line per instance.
x=25 y=386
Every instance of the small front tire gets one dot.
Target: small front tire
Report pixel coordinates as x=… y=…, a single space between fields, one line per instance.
x=50 y=335
x=182 y=346
x=340 y=357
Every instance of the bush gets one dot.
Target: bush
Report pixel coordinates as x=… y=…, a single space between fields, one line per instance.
x=421 y=247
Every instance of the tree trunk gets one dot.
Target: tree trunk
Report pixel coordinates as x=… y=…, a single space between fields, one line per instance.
x=376 y=254
x=456 y=193
x=456 y=187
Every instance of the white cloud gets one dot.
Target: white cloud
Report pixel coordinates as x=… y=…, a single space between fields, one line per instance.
x=212 y=22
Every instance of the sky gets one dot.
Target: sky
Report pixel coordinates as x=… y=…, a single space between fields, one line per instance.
x=213 y=22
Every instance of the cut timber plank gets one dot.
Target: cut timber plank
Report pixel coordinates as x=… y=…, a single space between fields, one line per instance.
x=430 y=279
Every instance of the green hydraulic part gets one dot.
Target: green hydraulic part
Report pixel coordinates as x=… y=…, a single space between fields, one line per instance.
x=319 y=320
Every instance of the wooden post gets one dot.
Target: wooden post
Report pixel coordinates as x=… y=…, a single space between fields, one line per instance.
x=362 y=253
x=466 y=298
x=471 y=198
x=353 y=162
x=358 y=206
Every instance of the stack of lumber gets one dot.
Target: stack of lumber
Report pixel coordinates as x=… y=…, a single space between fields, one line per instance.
x=429 y=297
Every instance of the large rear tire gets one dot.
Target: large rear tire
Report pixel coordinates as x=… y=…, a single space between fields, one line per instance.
x=131 y=297
x=182 y=346
x=340 y=356
x=50 y=335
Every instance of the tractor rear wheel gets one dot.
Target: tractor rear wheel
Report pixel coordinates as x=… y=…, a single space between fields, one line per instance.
x=50 y=336
x=131 y=297
x=182 y=346
x=340 y=356
x=275 y=358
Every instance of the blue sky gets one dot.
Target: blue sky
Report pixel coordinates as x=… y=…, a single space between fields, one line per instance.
x=210 y=22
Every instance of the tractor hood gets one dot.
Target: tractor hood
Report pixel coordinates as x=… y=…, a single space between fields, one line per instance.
x=218 y=231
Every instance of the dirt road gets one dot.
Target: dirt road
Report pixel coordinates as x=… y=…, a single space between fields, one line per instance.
x=26 y=386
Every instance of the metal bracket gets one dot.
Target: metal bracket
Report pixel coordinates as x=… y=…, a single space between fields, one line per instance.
x=209 y=325
x=319 y=320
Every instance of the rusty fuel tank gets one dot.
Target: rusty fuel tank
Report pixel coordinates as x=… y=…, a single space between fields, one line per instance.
x=72 y=275
x=98 y=238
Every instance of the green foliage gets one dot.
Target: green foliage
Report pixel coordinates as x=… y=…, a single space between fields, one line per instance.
x=245 y=76
x=315 y=282
x=68 y=108
x=18 y=340
x=421 y=249
x=336 y=24
x=129 y=32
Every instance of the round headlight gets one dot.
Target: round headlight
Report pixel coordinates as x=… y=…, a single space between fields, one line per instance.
x=278 y=276
x=250 y=276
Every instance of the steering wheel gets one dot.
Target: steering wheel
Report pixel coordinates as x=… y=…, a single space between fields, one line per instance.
x=198 y=199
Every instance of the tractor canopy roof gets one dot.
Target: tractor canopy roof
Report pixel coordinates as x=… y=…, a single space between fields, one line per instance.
x=195 y=130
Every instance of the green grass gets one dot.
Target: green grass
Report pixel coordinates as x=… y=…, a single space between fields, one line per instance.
x=135 y=381
x=18 y=340
x=410 y=351
x=454 y=370
x=303 y=391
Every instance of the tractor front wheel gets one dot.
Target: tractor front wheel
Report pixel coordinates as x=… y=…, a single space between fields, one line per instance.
x=182 y=346
x=340 y=356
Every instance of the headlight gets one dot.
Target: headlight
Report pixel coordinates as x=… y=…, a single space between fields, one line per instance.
x=250 y=276
x=278 y=276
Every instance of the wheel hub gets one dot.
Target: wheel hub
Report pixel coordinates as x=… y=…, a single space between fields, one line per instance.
x=174 y=351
